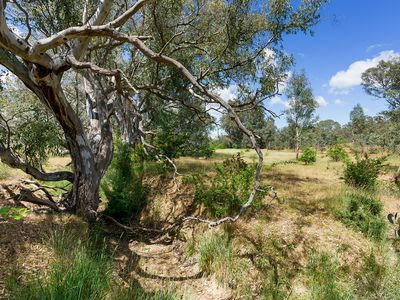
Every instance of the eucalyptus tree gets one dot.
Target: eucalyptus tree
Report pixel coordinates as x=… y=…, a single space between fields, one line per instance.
x=132 y=55
x=383 y=81
x=302 y=106
x=358 y=125
x=255 y=119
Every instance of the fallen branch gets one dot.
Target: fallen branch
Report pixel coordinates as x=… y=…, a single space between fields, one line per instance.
x=131 y=228
x=233 y=219
x=28 y=196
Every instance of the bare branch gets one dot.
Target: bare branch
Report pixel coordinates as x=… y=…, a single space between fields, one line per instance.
x=7 y=157
x=28 y=196
x=28 y=26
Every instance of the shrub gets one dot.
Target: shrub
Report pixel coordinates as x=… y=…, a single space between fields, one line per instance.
x=364 y=213
x=13 y=212
x=308 y=156
x=229 y=189
x=363 y=173
x=337 y=153
x=122 y=184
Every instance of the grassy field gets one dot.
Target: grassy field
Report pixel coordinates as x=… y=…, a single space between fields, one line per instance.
x=306 y=244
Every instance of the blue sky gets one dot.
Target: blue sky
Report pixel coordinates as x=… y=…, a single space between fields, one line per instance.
x=352 y=36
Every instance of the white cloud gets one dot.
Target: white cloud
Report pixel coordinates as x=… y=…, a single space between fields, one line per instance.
x=269 y=54
x=228 y=93
x=346 y=79
x=280 y=101
x=321 y=101
x=375 y=46
x=339 y=102
x=283 y=85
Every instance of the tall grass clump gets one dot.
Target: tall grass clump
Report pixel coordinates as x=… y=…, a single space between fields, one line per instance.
x=123 y=182
x=363 y=213
x=324 y=276
x=216 y=254
x=82 y=271
x=4 y=172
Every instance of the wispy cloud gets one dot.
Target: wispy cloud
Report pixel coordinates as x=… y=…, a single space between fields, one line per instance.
x=227 y=93
x=351 y=77
x=339 y=102
x=278 y=100
x=375 y=47
x=321 y=101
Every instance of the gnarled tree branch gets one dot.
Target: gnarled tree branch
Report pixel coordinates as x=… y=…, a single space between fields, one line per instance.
x=8 y=158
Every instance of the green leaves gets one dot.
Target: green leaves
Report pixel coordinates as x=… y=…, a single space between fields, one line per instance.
x=229 y=189
x=309 y=156
x=364 y=172
x=13 y=213
x=337 y=153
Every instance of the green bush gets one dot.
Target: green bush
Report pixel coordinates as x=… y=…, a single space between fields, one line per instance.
x=13 y=212
x=122 y=184
x=308 y=156
x=364 y=214
x=363 y=173
x=229 y=189
x=337 y=153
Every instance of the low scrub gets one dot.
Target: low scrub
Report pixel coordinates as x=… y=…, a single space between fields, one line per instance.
x=323 y=273
x=13 y=213
x=229 y=189
x=337 y=153
x=363 y=173
x=308 y=156
x=80 y=270
x=364 y=214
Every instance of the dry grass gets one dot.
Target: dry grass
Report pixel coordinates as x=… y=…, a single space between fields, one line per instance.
x=282 y=235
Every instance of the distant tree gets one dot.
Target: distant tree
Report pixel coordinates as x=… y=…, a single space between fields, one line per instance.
x=301 y=113
x=327 y=133
x=357 y=125
x=263 y=127
x=322 y=135
x=284 y=138
x=383 y=81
